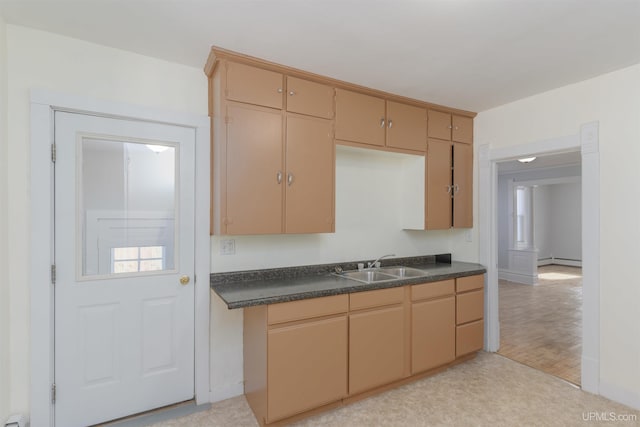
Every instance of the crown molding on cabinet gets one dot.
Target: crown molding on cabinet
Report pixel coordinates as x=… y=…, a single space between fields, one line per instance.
x=217 y=54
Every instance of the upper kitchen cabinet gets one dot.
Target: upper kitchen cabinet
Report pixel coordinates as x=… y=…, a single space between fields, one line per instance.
x=253 y=85
x=450 y=127
x=406 y=126
x=374 y=121
x=360 y=118
x=309 y=98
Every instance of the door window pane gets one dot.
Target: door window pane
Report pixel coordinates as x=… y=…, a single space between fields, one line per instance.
x=127 y=205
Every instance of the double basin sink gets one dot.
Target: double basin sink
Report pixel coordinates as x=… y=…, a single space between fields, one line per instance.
x=383 y=274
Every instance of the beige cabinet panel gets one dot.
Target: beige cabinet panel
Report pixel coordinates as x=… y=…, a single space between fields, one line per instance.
x=462 y=185
x=376 y=348
x=360 y=118
x=462 y=129
x=469 y=283
x=433 y=332
x=406 y=126
x=469 y=338
x=438 y=185
x=432 y=290
x=439 y=125
x=307 y=309
x=254 y=85
x=309 y=98
x=469 y=307
x=254 y=159
x=306 y=366
x=309 y=177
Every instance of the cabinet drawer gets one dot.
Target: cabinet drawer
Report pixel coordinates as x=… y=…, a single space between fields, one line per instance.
x=376 y=298
x=469 y=283
x=307 y=309
x=469 y=307
x=432 y=290
x=254 y=85
x=310 y=98
x=469 y=338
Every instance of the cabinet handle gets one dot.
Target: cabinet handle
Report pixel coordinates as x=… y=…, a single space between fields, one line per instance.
x=291 y=93
x=390 y=123
x=279 y=90
x=456 y=188
x=455 y=128
x=450 y=127
x=289 y=178
x=382 y=122
x=449 y=188
x=279 y=177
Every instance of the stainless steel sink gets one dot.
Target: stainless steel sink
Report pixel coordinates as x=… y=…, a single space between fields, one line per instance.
x=369 y=276
x=403 y=272
x=383 y=274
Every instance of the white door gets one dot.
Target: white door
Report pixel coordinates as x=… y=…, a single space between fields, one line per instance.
x=124 y=256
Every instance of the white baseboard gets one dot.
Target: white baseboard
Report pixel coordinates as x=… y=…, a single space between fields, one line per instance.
x=620 y=395
x=225 y=392
x=511 y=276
x=559 y=261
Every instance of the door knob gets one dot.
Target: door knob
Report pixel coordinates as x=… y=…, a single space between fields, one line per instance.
x=184 y=280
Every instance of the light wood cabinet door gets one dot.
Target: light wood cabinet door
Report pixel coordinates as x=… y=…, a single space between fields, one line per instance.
x=376 y=348
x=462 y=129
x=439 y=125
x=469 y=338
x=360 y=118
x=406 y=126
x=310 y=98
x=433 y=334
x=438 y=185
x=306 y=366
x=254 y=85
x=462 y=185
x=469 y=307
x=310 y=161
x=254 y=159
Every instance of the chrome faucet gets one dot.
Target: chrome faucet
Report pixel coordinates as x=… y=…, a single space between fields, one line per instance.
x=373 y=263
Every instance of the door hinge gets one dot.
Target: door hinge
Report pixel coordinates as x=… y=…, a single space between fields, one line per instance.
x=53 y=153
x=53 y=274
x=53 y=393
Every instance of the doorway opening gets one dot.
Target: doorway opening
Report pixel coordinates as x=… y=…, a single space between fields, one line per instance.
x=539 y=263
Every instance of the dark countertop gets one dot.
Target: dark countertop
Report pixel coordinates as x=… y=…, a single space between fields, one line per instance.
x=258 y=287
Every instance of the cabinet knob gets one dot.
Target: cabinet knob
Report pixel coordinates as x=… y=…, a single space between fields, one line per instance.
x=291 y=93
x=279 y=177
x=449 y=127
x=382 y=122
x=289 y=178
x=456 y=188
x=455 y=128
x=390 y=123
x=448 y=187
x=279 y=90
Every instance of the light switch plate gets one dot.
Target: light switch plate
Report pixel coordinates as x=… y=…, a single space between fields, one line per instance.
x=228 y=247
x=468 y=236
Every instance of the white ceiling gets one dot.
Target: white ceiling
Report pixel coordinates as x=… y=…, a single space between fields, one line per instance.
x=541 y=162
x=469 y=54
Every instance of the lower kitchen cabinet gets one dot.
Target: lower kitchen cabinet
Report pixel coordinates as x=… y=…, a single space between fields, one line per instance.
x=433 y=326
x=469 y=314
x=303 y=355
x=307 y=366
x=376 y=339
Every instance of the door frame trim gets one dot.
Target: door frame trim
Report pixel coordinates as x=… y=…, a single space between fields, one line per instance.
x=587 y=142
x=43 y=104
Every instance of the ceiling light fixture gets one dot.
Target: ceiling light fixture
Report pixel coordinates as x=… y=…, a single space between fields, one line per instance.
x=157 y=148
x=527 y=160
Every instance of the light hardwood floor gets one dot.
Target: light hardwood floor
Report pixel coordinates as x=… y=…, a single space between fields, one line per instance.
x=541 y=325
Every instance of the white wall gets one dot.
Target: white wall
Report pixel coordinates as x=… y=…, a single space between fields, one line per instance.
x=565 y=206
x=4 y=244
x=38 y=59
x=542 y=221
x=612 y=99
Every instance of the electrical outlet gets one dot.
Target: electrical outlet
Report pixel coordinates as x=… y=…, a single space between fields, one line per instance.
x=228 y=247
